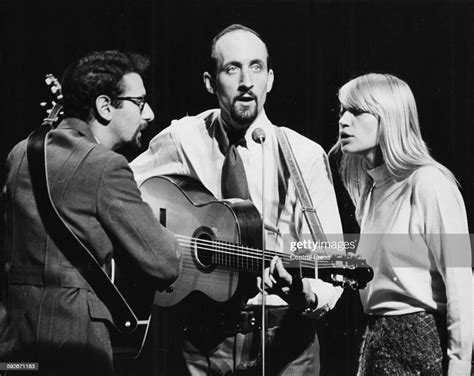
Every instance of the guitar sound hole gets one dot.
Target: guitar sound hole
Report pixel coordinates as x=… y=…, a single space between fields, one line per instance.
x=203 y=249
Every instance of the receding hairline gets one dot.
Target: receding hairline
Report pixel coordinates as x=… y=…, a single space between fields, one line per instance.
x=212 y=62
x=214 y=43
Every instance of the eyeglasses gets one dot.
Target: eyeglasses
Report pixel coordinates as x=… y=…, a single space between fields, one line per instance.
x=139 y=101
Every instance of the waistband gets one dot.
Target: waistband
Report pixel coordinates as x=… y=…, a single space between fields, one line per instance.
x=34 y=275
x=414 y=317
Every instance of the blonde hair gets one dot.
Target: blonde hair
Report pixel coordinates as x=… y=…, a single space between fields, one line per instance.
x=403 y=150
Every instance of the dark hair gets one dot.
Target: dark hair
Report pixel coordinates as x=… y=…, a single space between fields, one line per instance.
x=212 y=61
x=98 y=73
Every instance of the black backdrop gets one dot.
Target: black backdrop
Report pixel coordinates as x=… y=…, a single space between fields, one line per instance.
x=316 y=46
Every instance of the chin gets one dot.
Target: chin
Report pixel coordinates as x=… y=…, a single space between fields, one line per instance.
x=244 y=116
x=136 y=143
x=345 y=149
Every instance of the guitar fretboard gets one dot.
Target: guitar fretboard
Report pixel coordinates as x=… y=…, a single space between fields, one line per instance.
x=233 y=256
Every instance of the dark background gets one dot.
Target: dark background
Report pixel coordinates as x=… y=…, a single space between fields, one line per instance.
x=315 y=45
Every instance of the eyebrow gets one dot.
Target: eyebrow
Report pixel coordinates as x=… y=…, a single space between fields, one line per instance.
x=236 y=63
x=259 y=61
x=239 y=64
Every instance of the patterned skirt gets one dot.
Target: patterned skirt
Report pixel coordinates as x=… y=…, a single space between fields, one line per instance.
x=413 y=344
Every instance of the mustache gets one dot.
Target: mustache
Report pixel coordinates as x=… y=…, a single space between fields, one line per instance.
x=143 y=126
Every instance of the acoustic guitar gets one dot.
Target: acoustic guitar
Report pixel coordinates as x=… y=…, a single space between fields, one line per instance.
x=221 y=239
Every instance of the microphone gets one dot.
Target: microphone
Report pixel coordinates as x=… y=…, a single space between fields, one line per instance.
x=258 y=135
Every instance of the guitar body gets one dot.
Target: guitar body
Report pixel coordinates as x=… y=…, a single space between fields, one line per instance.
x=186 y=208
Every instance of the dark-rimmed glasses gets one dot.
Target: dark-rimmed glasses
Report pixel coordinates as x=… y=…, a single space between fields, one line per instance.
x=139 y=101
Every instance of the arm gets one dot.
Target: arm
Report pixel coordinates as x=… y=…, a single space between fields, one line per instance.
x=446 y=233
x=133 y=228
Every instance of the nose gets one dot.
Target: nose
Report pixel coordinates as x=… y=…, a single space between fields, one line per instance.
x=345 y=119
x=147 y=113
x=246 y=81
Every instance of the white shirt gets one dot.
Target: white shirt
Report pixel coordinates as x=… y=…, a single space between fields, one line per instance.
x=190 y=147
x=415 y=236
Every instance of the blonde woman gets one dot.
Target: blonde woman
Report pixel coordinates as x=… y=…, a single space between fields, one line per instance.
x=413 y=233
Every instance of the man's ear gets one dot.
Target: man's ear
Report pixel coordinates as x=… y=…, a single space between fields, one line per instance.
x=271 y=77
x=208 y=82
x=104 y=108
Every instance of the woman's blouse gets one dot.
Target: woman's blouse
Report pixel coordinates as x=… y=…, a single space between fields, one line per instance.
x=415 y=236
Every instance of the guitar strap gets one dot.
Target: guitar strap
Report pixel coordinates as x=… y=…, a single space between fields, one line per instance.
x=309 y=211
x=67 y=242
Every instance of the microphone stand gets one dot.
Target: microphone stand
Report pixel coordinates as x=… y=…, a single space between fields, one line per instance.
x=263 y=261
x=258 y=135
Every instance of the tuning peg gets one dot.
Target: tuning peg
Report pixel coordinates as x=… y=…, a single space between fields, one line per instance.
x=43 y=104
x=351 y=284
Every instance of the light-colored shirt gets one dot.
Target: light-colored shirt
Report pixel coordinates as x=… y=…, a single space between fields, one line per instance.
x=190 y=147
x=416 y=238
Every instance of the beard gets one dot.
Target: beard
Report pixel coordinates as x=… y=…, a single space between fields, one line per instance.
x=137 y=140
x=244 y=115
x=132 y=147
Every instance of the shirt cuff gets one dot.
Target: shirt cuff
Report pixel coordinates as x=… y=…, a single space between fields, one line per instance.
x=327 y=296
x=458 y=367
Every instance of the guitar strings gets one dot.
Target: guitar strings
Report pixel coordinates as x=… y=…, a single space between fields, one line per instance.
x=224 y=248
x=220 y=246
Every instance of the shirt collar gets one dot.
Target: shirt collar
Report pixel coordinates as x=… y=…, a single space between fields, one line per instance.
x=78 y=125
x=379 y=174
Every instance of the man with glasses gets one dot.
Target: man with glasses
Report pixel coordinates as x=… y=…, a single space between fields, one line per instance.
x=52 y=315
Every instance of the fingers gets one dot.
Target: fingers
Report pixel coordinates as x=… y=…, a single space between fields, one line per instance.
x=268 y=281
x=276 y=278
x=272 y=264
x=280 y=274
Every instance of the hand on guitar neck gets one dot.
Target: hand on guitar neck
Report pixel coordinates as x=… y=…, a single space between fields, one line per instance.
x=295 y=291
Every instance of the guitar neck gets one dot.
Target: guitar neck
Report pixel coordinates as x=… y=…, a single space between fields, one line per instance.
x=249 y=259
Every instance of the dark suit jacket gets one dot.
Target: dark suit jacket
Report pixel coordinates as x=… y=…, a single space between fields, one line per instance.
x=49 y=305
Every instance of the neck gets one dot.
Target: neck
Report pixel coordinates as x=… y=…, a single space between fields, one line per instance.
x=232 y=127
x=102 y=134
x=374 y=158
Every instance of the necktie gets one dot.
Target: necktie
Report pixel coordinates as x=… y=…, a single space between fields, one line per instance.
x=234 y=180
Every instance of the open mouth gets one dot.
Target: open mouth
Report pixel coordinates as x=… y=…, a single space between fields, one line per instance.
x=246 y=98
x=345 y=138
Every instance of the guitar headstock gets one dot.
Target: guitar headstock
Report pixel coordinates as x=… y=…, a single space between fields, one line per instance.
x=54 y=111
x=348 y=271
